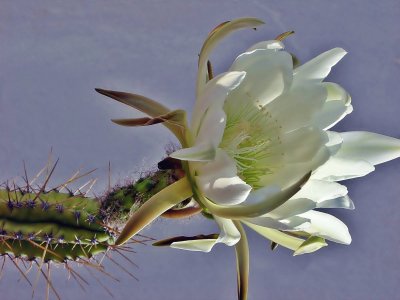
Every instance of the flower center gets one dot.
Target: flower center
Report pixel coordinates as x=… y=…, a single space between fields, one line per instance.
x=252 y=139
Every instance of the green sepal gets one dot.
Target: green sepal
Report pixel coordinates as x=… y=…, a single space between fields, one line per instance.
x=312 y=244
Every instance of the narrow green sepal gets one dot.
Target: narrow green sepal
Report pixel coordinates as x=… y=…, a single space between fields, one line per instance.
x=169 y=241
x=312 y=244
x=151 y=108
x=154 y=207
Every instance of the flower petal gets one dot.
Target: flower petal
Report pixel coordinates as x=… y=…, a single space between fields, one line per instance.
x=298 y=106
x=223 y=190
x=340 y=202
x=333 y=112
x=314 y=194
x=222 y=166
x=291 y=208
x=268 y=74
x=270 y=45
x=212 y=126
x=283 y=239
x=302 y=144
x=229 y=235
x=288 y=173
x=334 y=143
x=337 y=168
x=202 y=245
x=336 y=107
x=320 y=190
x=371 y=147
x=214 y=93
x=290 y=223
x=319 y=67
x=219 y=182
x=327 y=226
x=312 y=244
x=274 y=197
x=200 y=152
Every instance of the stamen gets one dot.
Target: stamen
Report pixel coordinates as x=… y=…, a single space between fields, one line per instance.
x=251 y=138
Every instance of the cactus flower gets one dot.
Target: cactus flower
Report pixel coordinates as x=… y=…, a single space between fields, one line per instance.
x=260 y=151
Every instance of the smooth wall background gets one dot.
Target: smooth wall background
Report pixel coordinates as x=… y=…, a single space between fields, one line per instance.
x=54 y=53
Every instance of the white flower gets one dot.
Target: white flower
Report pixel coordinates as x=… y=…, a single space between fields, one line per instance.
x=259 y=150
x=261 y=127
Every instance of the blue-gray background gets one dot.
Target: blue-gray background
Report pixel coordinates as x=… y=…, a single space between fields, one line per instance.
x=52 y=55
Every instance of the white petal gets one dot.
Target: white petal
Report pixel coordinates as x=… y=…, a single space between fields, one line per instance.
x=277 y=236
x=319 y=67
x=337 y=93
x=371 y=147
x=336 y=107
x=337 y=168
x=268 y=74
x=320 y=190
x=290 y=173
x=298 y=106
x=333 y=112
x=340 y=202
x=271 y=45
x=315 y=193
x=219 y=182
x=229 y=235
x=215 y=92
x=260 y=195
x=296 y=244
x=212 y=126
x=285 y=224
x=302 y=144
x=327 y=226
x=295 y=223
x=200 y=152
x=292 y=207
x=335 y=142
x=204 y=245
x=222 y=166
x=220 y=190
x=257 y=209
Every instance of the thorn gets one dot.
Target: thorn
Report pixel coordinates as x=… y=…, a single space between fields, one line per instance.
x=90 y=187
x=19 y=269
x=126 y=257
x=26 y=177
x=46 y=181
x=122 y=268
x=99 y=282
x=109 y=176
x=49 y=284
